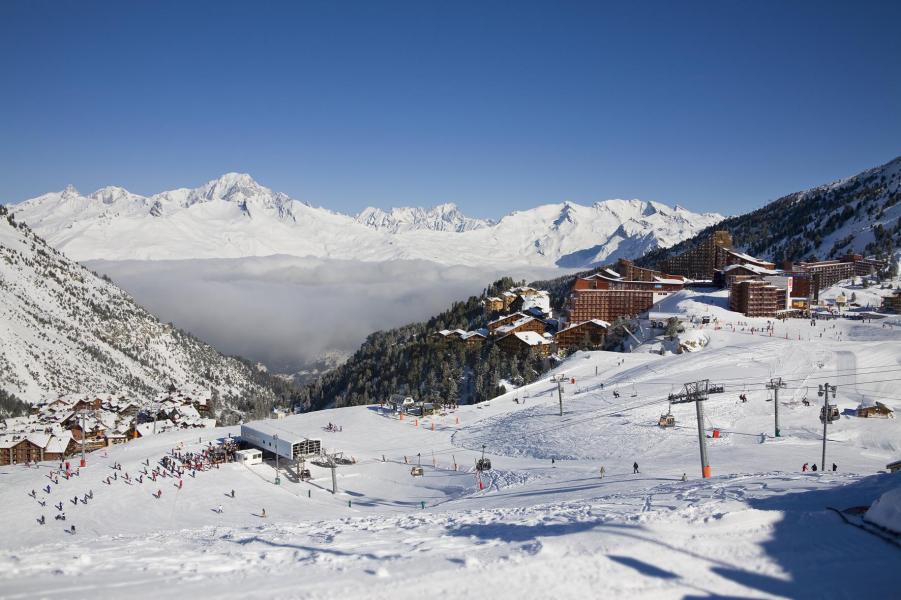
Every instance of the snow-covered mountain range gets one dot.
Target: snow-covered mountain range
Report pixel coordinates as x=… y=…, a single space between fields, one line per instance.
x=65 y=330
x=444 y=217
x=234 y=216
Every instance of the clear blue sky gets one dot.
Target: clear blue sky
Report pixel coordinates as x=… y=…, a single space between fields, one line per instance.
x=494 y=105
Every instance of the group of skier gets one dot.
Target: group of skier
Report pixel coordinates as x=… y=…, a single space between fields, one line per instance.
x=807 y=467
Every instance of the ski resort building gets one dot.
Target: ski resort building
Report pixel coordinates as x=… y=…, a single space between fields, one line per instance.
x=758 y=298
x=605 y=298
x=870 y=408
x=505 y=320
x=712 y=254
x=587 y=334
x=827 y=273
x=626 y=269
x=523 y=341
x=278 y=437
x=892 y=303
x=701 y=261
x=524 y=324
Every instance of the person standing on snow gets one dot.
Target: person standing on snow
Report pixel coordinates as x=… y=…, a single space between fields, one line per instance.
x=603 y=471
x=634 y=468
x=814 y=467
x=834 y=467
x=804 y=468
x=263 y=514
x=684 y=477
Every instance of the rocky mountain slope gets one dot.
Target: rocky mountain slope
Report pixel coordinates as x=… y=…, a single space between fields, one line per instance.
x=234 y=216
x=64 y=330
x=859 y=214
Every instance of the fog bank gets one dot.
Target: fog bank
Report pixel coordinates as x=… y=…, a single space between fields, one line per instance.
x=286 y=311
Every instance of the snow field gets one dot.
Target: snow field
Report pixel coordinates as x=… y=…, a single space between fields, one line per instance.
x=759 y=528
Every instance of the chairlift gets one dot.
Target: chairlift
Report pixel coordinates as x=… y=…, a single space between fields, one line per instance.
x=829 y=413
x=667 y=420
x=483 y=464
x=417 y=470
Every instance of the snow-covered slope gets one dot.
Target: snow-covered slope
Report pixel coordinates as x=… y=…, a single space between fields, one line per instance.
x=234 y=216
x=759 y=528
x=64 y=330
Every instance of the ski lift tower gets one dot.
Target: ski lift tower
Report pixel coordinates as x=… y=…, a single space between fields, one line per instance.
x=828 y=414
x=698 y=392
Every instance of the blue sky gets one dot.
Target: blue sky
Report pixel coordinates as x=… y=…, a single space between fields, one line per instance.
x=496 y=106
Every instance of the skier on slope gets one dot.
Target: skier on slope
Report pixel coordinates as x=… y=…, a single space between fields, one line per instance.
x=814 y=468
x=603 y=471
x=634 y=468
x=834 y=467
x=804 y=468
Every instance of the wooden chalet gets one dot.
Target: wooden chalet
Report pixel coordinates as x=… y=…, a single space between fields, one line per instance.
x=505 y=320
x=587 y=334
x=494 y=305
x=521 y=325
x=522 y=341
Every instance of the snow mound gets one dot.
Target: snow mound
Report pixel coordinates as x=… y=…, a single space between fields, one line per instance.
x=886 y=511
x=692 y=340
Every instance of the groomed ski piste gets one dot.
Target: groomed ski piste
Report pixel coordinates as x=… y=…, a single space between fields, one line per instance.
x=547 y=525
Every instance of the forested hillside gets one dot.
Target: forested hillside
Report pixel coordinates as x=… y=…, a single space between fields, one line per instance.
x=409 y=360
x=859 y=214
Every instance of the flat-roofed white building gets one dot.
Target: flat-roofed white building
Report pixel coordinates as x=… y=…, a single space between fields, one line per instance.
x=249 y=457
x=279 y=436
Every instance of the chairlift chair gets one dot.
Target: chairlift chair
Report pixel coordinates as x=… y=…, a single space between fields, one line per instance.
x=483 y=464
x=829 y=413
x=667 y=420
x=417 y=470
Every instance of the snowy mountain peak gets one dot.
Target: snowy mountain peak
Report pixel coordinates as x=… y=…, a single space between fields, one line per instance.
x=443 y=217
x=112 y=194
x=235 y=216
x=69 y=193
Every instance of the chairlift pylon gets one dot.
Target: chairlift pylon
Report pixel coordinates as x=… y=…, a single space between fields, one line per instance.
x=634 y=390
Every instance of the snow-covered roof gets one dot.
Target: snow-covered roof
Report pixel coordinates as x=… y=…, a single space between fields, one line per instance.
x=39 y=439
x=597 y=322
x=747 y=257
x=753 y=269
x=533 y=338
x=58 y=444
x=505 y=317
x=518 y=323
x=470 y=334
x=613 y=273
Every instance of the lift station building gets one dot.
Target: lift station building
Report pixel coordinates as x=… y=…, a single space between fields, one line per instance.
x=277 y=436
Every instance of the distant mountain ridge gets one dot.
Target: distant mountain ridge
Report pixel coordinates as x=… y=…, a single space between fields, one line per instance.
x=234 y=216
x=444 y=217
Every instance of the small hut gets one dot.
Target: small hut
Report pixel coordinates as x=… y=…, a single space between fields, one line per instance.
x=870 y=408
